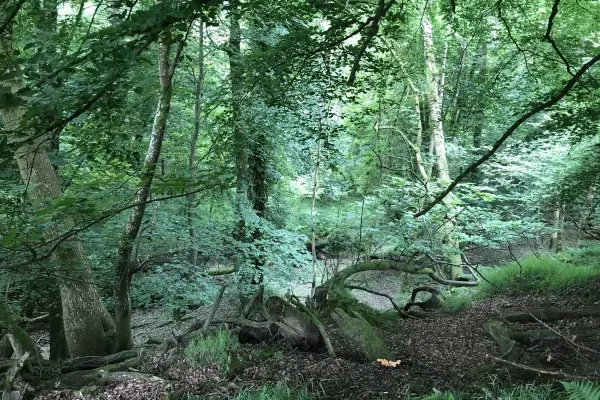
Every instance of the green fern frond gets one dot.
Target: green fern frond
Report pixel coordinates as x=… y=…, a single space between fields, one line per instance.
x=582 y=390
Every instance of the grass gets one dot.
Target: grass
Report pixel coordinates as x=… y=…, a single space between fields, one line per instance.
x=216 y=349
x=541 y=275
x=270 y=392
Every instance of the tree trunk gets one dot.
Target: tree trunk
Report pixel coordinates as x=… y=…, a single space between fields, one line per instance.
x=433 y=78
x=239 y=135
x=555 y=225
x=123 y=272
x=89 y=329
x=585 y=214
x=313 y=244
x=194 y=141
x=479 y=80
x=560 y=229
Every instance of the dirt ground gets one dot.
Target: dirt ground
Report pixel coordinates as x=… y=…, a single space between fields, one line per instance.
x=451 y=352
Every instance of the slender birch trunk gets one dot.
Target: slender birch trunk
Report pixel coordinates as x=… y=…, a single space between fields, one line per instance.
x=585 y=213
x=555 y=225
x=123 y=270
x=438 y=144
x=194 y=142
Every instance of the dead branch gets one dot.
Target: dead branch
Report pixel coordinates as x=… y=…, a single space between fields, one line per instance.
x=256 y=299
x=398 y=309
x=556 y=97
x=296 y=302
x=213 y=309
x=559 y=374
x=11 y=375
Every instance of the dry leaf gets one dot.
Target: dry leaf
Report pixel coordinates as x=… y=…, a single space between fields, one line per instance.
x=387 y=363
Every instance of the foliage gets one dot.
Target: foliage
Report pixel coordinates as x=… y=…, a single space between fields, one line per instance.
x=270 y=392
x=213 y=350
x=537 y=275
x=582 y=390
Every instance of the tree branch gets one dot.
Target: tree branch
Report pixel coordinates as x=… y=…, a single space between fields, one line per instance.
x=540 y=107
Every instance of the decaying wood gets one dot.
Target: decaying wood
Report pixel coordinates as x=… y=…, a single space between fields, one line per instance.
x=436 y=301
x=390 y=298
x=558 y=374
x=551 y=314
x=254 y=302
x=83 y=363
x=80 y=378
x=359 y=331
x=296 y=302
x=294 y=325
x=533 y=336
x=502 y=337
x=7 y=391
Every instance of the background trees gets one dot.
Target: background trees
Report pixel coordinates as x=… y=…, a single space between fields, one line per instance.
x=396 y=98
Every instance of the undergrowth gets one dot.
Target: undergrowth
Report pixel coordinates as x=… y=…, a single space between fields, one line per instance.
x=572 y=391
x=545 y=274
x=270 y=392
x=212 y=350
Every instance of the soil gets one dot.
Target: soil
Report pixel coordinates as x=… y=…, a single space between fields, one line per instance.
x=450 y=352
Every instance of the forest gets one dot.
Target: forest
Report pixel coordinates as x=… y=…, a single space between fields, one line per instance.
x=300 y=199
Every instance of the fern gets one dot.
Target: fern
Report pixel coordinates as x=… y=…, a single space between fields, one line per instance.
x=582 y=390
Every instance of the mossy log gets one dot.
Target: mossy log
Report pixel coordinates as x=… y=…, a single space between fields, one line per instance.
x=82 y=378
x=358 y=330
x=501 y=336
x=551 y=314
x=294 y=325
x=408 y=266
x=84 y=363
x=533 y=336
x=435 y=302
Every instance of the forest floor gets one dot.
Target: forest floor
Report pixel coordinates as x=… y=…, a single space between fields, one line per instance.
x=450 y=352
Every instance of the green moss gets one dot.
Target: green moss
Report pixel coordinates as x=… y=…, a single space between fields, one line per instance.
x=340 y=298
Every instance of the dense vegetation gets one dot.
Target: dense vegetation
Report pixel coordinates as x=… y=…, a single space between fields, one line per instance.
x=253 y=164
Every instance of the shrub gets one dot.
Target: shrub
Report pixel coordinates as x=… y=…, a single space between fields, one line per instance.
x=215 y=350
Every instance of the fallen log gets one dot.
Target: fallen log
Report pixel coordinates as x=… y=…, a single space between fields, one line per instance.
x=83 y=363
x=294 y=325
x=551 y=314
x=296 y=302
x=80 y=378
x=359 y=331
x=533 y=336
x=501 y=336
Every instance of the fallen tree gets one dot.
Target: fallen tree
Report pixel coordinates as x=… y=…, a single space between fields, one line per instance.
x=338 y=281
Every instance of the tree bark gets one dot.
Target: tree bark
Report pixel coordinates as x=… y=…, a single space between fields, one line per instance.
x=433 y=77
x=194 y=142
x=89 y=329
x=555 y=225
x=239 y=134
x=123 y=270
x=313 y=244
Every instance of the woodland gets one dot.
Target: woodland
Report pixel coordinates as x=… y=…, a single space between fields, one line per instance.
x=299 y=199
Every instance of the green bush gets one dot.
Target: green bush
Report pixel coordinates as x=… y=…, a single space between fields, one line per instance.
x=215 y=350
